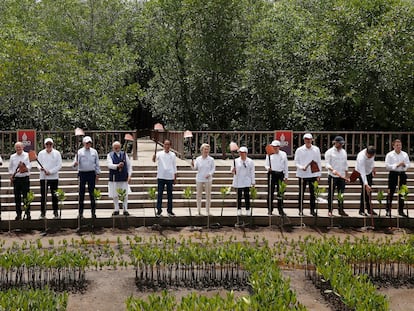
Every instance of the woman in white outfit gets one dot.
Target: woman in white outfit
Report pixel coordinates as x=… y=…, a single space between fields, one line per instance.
x=205 y=167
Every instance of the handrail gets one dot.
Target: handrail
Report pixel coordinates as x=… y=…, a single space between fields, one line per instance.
x=68 y=144
x=256 y=141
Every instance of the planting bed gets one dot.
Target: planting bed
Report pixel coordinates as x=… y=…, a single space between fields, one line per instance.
x=111 y=278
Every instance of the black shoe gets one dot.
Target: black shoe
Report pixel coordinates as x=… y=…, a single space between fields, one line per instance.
x=27 y=217
x=314 y=214
x=171 y=214
x=362 y=214
x=402 y=214
x=93 y=216
x=373 y=213
x=18 y=217
x=282 y=214
x=126 y=213
x=158 y=214
x=80 y=216
x=388 y=214
x=300 y=213
x=342 y=213
x=115 y=213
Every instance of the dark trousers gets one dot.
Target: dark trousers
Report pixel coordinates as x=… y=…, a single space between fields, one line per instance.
x=53 y=185
x=246 y=193
x=396 y=179
x=161 y=185
x=21 y=186
x=367 y=198
x=335 y=183
x=302 y=187
x=275 y=177
x=90 y=179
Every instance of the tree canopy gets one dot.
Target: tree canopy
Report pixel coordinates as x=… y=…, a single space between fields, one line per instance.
x=216 y=64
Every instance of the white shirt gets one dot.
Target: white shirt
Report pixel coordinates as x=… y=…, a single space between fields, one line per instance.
x=205 y=168
x=52 y=162
x=167 y=167
x=245 y=174
x=364 y=165
x=278 y=163
x=15 y=159
x=303 y=156
x=392 y=159
x=336 y=159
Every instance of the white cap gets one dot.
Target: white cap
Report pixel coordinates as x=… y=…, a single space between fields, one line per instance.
x=243 y=149
x=87 y=139
x=308 y=136
x=48 y=140
x=275 y=143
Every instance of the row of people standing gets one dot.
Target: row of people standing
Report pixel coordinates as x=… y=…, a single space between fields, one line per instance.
x=308 y=164
x=50 y=162
x=308 y=170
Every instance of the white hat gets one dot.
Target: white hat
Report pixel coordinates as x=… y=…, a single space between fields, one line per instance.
x=87 y=139
x=48 y=140
x=275 y=143
x=243 y=149
x=308 y=136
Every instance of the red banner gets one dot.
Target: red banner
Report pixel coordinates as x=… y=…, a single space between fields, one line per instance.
x=286 y=141
x=28 y=138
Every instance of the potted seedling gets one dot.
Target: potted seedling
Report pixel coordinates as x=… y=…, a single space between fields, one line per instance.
x=152 y=195
x=380 y=197
x=224 y=192
x=61 y=196
x=26 y=203
x=318 y=191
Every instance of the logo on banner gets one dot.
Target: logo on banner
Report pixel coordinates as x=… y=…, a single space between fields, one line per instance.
x=286 y=141
x=28 y=139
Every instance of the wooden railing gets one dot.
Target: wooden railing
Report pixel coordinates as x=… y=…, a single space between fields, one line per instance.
x=256 y=141
x=68 y=144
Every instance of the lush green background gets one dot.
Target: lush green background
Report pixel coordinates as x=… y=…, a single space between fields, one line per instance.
x=197 y=64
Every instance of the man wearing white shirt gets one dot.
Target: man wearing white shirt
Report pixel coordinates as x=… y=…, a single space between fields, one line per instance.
x=336 y=161
x=276 y=165
x=365 y=165
x=51 y=161
x=243 y=178
x=19 y=171
x=166 y=176
x=396 y=162
x=308 y=170
x=87 y=162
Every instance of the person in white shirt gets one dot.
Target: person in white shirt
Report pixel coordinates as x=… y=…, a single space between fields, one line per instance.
x=120 y=172
x=336 y=161
x=365 y=166
x=276 y=165
x=51 y=163
x=166 y=176
x=396 y=162
x=308 y=170
x=19 y=171
x=87 y=162
x=243 y=178
x=204 y=164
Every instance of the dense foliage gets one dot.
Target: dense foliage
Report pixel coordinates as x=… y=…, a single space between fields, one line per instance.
x=218 y=64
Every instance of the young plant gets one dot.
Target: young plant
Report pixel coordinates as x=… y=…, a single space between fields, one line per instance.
x=403 y=192
x=340 y=197
x=97 y=194
x=28 y=200
x=152 y=193
x=282 y=189
x=188 y=193
x=122 y=193
x=253 y=193
x=224 y=191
